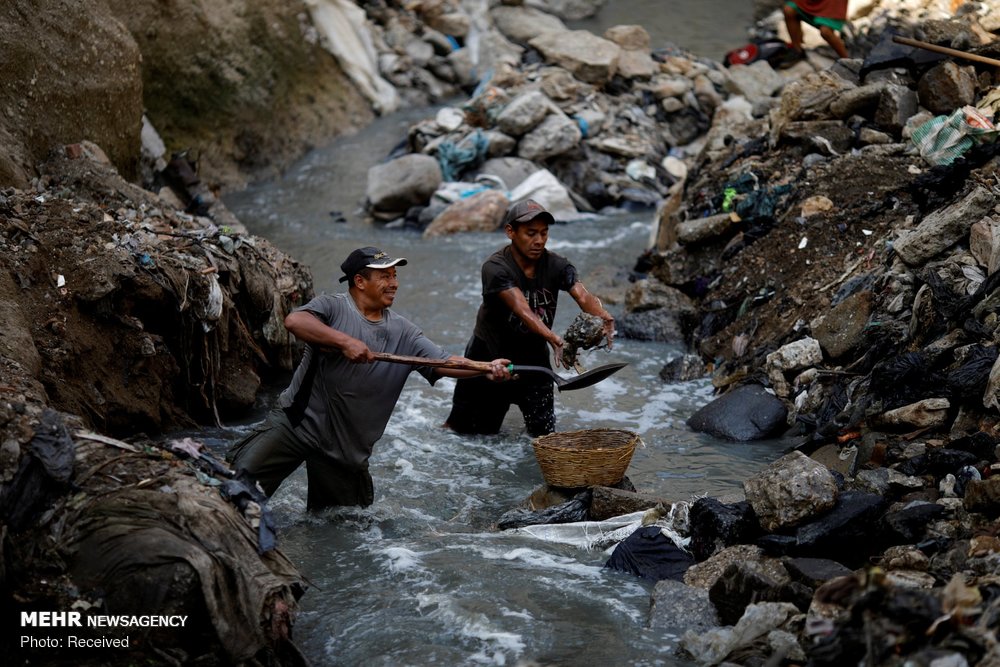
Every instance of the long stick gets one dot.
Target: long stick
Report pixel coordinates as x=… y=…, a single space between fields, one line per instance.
x=467 y=365
x=945 y=50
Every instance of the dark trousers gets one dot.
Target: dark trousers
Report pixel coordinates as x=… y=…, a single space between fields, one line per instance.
x=272 y=452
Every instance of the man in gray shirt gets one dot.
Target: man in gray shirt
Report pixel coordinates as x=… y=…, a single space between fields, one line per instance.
x=339 y=401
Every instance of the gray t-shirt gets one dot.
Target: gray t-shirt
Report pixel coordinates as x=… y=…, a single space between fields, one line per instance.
x=343 y=407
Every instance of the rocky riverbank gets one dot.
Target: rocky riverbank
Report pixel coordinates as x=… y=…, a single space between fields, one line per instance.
x=827 y=243
x=831 y=274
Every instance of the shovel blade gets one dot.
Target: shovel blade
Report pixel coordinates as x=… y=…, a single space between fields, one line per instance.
x=593 y=376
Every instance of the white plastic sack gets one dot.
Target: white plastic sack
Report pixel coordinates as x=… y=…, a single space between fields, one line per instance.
x=545 y=188
x=598 y=534
x=344 y=28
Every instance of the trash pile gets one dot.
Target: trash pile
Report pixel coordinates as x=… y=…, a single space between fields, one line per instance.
x=832 y=251
x=839 y=244
x=124 y=315
x=135 y=315
x=101 y=526
x=576 y=121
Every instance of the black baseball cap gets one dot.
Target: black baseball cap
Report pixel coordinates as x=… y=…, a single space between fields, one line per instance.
x=526 y=211
x=368 y=258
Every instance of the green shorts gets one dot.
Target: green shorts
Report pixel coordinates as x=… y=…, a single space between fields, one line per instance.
x=817 y=21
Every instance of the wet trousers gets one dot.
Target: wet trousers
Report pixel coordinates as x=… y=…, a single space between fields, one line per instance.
x=479 y=405
x=272 y=452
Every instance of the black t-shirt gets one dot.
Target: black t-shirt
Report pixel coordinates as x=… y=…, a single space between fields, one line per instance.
x=503 y=332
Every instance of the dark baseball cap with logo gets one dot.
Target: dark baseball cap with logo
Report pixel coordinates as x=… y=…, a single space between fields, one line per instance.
x=526 y=211
x=367 y=258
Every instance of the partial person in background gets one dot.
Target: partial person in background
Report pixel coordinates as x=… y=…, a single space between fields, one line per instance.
x=521 y=284
x=827 y=16
x=340 y=398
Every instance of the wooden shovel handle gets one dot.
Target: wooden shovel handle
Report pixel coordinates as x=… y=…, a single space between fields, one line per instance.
x=975 y=57
x=464 y=364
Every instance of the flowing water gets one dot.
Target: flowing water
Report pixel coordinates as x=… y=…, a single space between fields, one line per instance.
x=421 y=577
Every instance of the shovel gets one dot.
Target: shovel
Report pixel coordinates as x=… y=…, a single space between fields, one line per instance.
x=593 y=376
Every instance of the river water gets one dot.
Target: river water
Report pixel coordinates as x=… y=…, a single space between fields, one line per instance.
x=421 y=577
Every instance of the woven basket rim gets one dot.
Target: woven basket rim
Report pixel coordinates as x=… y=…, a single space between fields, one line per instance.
x=583 y=457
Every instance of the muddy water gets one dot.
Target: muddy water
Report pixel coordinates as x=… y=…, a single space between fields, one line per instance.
x=420 y=578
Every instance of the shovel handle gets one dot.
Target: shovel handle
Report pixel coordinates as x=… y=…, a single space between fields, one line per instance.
x=459 y=364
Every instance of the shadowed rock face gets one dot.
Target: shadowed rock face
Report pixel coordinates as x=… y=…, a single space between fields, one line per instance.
x=239 y=83
x=70 y=72
x=243 y=88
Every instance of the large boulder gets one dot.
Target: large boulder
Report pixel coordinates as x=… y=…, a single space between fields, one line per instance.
x=588 y=57
x=482 y=212
x=69 y=72
x=397 y=185
x=745 y=413
x=246 y=85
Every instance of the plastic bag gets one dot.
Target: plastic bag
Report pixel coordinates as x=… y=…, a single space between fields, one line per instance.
x=943 y=139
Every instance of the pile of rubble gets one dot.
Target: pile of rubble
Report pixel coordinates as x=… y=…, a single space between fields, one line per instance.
x=122 y=315
x=576 y=121
x=829 y=248
x=842 y=269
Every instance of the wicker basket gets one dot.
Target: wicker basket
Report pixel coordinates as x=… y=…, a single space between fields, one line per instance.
x=595 y=457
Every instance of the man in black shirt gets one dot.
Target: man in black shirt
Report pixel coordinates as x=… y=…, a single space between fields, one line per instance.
x=521 y=285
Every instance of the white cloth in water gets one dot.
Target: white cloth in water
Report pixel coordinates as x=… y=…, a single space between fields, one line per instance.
x=601 y=534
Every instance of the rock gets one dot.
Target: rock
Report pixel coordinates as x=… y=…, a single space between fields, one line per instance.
x=927 y=413
x=555 y=135
x=545 y=188
x=791 y=489
x=843 y=328
x=712 y=646
x=571 y=10
x=522 y=24
x=651 y=294
x=946 y=87
x=676 y=608
x=661 y=324
x=70 y=72
x=512 y=171
x=984 y=243
x=696 y=230
x=705 y=574
x=482 y=212
x=665 y=86
x=862 y=100
x=793 y=356
x=983 y=496
x=636 y=65
x=842 y=460
x=830 y=137
x=909 y=525
x=896 y=105
x=407 y=181
x=683 y=368
x=944 y=227
x=586 y=56
x=606 y=502
x=755 y=81
x=629 y=37
x=523 y=113
x=746 y=413
x=849 y=532
x=496 y=50
x=715 y=526
x=744 y=583
x=814 y=572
